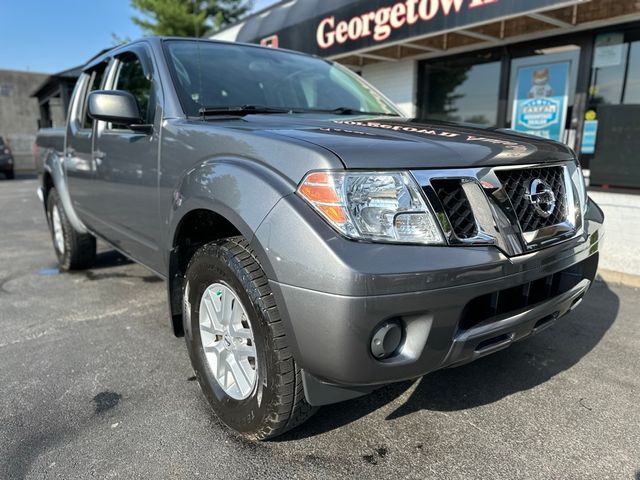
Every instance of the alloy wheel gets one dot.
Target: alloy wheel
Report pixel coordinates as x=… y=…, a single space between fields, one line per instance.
x=227 y=341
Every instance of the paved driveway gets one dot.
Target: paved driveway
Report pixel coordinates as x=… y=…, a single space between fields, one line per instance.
x=93 y=384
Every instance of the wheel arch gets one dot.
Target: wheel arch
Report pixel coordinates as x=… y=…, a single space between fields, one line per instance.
x=54 y=177
x=197 y=228
x=211 y=202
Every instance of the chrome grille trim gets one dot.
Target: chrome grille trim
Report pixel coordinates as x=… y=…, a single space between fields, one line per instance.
x=497 y=222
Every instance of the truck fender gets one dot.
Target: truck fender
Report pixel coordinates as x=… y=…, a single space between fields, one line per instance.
x=240 y=191
x=221 y=185
x=53 y=165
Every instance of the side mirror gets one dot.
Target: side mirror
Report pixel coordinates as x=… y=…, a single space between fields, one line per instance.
x=116 y=106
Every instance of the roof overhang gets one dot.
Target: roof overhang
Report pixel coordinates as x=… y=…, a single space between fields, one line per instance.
x=358 y=33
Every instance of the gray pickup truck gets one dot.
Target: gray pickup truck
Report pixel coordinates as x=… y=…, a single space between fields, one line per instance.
x=316 y=245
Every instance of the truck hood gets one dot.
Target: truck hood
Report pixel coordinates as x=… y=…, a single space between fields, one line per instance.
x=390 y=142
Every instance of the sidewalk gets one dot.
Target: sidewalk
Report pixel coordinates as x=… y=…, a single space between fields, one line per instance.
x=621 y=249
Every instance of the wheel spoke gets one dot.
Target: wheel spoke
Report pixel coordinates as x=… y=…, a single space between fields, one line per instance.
x=239 y=375
x=209 y=329
x=212 y=315
x=208 y=336
x=242 y=351
x=227 y=301
x=247 y=370
x=221 y=367
x=241 y=332
x=214 y=354
x=216 y=298
x=236 y=315
x=217 y=349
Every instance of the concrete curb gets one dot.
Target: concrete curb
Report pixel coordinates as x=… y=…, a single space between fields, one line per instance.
x=622 y=278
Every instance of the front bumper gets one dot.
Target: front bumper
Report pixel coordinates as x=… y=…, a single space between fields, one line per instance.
x=443 y=310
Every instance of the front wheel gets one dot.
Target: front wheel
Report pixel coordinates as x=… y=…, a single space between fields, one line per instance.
x=75 y=251
x=237 y=343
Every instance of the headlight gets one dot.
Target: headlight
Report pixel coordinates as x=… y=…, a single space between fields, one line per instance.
x=376 y=206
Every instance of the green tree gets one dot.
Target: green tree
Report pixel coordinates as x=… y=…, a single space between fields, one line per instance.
x=187 y=18
x=225 y=12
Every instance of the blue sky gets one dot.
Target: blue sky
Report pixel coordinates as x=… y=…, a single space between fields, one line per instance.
x=52 y=35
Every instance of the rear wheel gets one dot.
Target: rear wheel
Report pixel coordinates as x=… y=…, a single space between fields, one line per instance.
x=237 y=343
x=75 y=251
x=10 y=174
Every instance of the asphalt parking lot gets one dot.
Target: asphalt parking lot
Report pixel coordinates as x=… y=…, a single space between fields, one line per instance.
x=94 y=384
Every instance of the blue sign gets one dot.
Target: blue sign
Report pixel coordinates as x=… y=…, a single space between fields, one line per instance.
x=589 y=133
x=540 y=103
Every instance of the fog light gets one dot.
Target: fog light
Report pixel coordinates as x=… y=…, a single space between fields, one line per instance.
x=386 y=339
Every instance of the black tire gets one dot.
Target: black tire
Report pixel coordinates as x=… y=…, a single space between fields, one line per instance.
x=79 y=248
x=277 y=403
x=10 y=174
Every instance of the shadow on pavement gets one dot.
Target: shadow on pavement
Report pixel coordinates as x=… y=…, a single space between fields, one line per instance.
x=523 y=366
x=110 y=258
x=20 y=176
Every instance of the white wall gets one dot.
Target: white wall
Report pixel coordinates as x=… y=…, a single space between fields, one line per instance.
x=397 y=80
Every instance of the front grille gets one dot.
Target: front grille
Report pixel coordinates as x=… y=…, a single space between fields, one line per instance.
x=493 y=306
x=516 y=184
x=457 y=208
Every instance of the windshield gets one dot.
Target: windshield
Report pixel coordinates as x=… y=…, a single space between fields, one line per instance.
x=218 y=75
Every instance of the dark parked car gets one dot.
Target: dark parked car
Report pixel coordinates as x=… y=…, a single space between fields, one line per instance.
x=316 y=245
x=6 y=160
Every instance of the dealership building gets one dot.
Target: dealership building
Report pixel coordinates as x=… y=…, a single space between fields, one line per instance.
x=565 y=70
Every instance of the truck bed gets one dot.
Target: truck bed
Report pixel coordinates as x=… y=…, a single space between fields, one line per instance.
x=51 y=138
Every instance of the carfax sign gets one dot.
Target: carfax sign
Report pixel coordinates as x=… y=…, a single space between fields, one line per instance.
x=540 y=103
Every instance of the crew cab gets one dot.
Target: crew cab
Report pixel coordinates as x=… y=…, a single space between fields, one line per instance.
x=316 y=244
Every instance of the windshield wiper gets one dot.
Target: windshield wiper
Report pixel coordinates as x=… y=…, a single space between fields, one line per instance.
x=261 y=109
x=242 y=110
x=352 y=111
